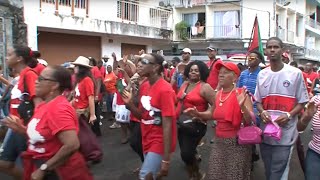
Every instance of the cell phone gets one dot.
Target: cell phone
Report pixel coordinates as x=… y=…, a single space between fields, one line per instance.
x=120 y=86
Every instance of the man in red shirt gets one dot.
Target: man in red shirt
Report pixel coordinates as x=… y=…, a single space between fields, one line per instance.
x=212 y=64
x=310 y=75
x=102 y=69
x=97 y=77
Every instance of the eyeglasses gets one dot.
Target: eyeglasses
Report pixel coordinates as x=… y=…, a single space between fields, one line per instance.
x=41 y=78
x=146 y=62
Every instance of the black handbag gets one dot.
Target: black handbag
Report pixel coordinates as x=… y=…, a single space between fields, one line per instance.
x=26 y=106
x=186 y=123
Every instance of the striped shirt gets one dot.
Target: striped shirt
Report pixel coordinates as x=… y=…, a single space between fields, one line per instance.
x=315 y=141
x=279 y=92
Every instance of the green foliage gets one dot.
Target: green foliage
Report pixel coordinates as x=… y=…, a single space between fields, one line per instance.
x=181 y=29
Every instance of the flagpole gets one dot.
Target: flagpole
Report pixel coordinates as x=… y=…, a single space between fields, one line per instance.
x=250 y=40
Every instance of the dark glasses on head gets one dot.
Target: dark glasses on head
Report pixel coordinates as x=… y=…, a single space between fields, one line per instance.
x=146 y=62
x=252 y=58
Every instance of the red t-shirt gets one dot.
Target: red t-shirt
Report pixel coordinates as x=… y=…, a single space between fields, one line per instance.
x=310 y=77
x=83 y=90
x=28 y=76
x=103 y=71
x=39 y=68
x=47 y=122
x=152 y=135
x=214 y=73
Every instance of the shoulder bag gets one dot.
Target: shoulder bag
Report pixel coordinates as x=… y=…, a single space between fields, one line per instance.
x=185 y=122
x=26 y=106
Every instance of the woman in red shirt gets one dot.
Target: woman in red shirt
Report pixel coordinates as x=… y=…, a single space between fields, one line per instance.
x=197 y=94
x=83 y=100
x=52 y=132
x=158 y=117
x=229 y=160
x=20 y=59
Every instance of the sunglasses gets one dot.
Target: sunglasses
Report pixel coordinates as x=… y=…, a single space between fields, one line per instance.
x=252 y=58
x=146 y=62
x=41 y=78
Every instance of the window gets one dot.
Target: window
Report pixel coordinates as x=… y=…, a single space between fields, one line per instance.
x=128 y=10
x=193 y=18
x=226 y=24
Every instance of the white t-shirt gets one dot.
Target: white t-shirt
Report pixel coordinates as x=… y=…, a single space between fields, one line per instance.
x=279 y=92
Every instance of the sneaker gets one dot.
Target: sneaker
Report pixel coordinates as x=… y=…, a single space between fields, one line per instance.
x=115 y=126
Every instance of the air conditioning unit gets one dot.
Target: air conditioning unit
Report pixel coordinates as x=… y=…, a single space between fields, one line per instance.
x=162 y=4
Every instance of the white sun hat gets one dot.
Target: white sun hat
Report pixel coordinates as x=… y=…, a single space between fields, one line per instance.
x=82 y=61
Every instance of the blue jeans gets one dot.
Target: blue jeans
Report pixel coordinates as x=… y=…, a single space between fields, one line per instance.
x=276 y=161
x=108 y=98
x=312 y=165
x=151 y=164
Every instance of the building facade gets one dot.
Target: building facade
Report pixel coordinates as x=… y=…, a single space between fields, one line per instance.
x=227 y=25
x=65 y=29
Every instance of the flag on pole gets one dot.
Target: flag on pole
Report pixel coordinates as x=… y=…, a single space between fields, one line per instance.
x=255 y=40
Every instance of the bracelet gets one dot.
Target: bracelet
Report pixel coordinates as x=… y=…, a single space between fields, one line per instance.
x=166 y=162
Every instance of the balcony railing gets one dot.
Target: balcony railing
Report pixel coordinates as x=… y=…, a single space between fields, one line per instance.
x=66 y=7
x=290 y=36
x=133 y=12
x=312 y=23
x=209 y=32
x=193 y=33
x=312 y=54
x=190 y=3
x=281 y=33
x=224 y=32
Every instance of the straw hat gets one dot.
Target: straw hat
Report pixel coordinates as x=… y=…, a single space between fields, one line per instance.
x=82 y=61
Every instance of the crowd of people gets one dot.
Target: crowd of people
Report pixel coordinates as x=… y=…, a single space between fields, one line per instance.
x=53 y=113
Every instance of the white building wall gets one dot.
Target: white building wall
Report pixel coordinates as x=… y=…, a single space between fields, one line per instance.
x=262 y=9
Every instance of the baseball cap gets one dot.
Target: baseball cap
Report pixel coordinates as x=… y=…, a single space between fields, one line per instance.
x=211 y=48
x=230 y=66
x=187 y=50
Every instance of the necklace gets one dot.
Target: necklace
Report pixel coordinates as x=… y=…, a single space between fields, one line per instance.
x=222 y=101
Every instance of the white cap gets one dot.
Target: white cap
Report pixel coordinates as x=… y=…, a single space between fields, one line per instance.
x=187 y=50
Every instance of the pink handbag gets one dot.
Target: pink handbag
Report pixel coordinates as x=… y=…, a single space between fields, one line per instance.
x=249 y=134
x=273 y=130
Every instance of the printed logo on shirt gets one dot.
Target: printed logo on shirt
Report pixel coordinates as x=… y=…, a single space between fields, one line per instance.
x=35 y=136
x=286 y=83
x=77 y=91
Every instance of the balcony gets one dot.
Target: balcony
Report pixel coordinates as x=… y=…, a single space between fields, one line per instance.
x=190 y=3
x=312 y=54
x=313 y=26
x=66 y=7
x=140 y=14
x=290 y=36
x=192 y=33
x=209 y=32
x=281 y=33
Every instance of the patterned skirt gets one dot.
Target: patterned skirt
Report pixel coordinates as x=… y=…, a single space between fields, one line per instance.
x=229 y=161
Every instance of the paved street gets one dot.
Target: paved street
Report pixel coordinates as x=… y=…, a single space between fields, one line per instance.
x=119 y=160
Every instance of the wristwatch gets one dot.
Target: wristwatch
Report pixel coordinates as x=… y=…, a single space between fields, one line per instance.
x=44 y=167
x=289 y=115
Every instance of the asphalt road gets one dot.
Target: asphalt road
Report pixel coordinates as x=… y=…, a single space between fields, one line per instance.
x=120 y=161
